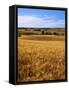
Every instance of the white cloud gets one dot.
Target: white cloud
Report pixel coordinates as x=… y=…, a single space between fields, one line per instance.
x=41 y=22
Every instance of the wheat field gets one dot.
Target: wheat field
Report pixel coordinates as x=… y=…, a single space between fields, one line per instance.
x=41 y=58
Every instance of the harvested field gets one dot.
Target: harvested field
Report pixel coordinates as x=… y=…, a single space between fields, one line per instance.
x=41 y=57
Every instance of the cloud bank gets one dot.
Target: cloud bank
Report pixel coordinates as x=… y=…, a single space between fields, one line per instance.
x=40 y=22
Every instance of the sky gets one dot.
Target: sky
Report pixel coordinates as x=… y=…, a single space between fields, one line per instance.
x=40 y=18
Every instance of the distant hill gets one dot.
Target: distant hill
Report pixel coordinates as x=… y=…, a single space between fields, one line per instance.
x=41 y=31
x=39 y=28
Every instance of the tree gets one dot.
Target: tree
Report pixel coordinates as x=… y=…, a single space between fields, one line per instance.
x=42 y=32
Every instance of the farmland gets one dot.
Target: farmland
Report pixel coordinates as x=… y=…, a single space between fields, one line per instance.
x=41 y=57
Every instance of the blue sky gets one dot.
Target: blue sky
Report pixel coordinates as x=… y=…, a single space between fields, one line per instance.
x=40 y=18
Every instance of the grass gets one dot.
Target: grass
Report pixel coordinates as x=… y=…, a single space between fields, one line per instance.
x=41 y=57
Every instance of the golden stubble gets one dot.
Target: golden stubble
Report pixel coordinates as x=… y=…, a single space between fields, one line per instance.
x=41 y=59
